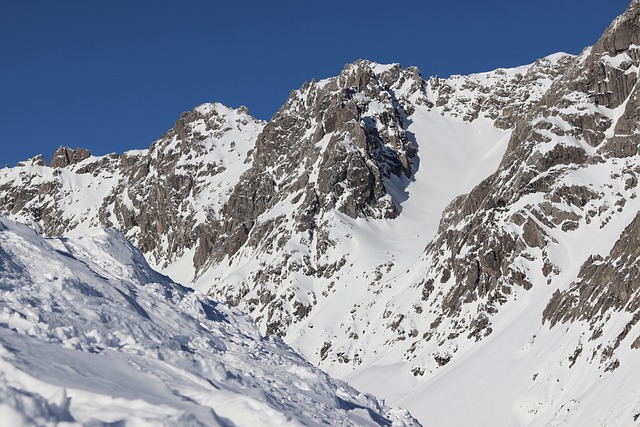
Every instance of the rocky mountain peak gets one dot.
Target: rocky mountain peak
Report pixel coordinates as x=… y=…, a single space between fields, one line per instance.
x=65 y=156
x=334 y=148
x=622 y=33
x=169 y=192
x=339 y=138
x=502 y=95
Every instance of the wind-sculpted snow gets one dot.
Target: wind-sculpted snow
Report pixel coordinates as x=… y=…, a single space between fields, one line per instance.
x=90 y=335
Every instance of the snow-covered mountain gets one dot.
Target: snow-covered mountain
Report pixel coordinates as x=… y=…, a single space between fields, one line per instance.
x=90 y=335
x=464 y=247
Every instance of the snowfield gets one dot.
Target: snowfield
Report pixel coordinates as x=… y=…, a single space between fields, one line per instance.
x=90 y=335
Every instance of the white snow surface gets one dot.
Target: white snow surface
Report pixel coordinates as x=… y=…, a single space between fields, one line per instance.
x=90 y=335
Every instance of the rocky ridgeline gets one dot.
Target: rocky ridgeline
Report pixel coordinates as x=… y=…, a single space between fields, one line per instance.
x=334 y=142
x=503 y=95
x=159 y=198
x=39 y=194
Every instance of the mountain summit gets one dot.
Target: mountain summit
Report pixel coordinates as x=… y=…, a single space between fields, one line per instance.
x=464 y=247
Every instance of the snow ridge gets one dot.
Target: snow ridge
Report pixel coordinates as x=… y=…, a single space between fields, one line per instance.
x=90 y=335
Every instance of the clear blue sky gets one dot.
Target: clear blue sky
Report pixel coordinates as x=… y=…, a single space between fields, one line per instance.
x=115 y=75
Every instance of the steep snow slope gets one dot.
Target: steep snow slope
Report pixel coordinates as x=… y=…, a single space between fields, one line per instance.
x=383 y=254
x=524 y=372
x=90 y=335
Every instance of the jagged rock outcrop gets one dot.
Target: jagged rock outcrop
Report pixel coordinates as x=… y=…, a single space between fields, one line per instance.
x=65 y=156
x=331 y=145
x=157 y=197
x=167 y=196
x=503 y=95
x=603 y=285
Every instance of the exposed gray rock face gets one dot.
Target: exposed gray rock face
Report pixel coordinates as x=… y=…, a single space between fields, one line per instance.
x=65 y=156
x=611 y=283
x=41 y=198
x=157 y=197
x=213 y=183
x=604 y=286
x=326 y=148
x=331 y=147
x=160 y=199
